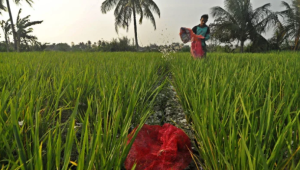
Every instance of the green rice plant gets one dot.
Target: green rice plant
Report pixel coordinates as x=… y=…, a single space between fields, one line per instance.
x=64 y=110
x=244 y=108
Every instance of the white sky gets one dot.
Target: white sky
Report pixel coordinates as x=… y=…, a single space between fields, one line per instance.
x=81 y=20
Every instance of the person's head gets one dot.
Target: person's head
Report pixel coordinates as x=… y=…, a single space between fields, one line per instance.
x=203 y=19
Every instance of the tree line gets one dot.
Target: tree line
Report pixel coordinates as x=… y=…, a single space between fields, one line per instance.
x=116 y=44
x=237 y=22
x=21 y=30
x=23 y=40
x=234 y=24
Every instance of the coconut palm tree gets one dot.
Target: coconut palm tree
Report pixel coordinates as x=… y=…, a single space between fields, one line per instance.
x=24 y=29
x=125 y=9
x=29 y=2
x=291 y=21
x=2 y=8
x=239 y=21
x=6 y=27
x=279 y=36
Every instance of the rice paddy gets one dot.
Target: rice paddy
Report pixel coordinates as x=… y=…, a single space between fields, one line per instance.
x=74 y=110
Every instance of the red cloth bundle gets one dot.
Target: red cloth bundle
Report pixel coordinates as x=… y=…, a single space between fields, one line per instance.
x=188 y=35
x=159 y=148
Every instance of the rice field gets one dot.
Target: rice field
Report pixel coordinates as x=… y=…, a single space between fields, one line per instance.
x=74 y=110
x=63 y=110
x=244 y=109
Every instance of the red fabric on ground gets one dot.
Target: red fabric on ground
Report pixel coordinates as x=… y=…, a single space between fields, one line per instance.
x=188 y=35
x=159 y=148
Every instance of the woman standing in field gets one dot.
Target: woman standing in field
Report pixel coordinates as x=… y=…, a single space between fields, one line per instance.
x=202 y=29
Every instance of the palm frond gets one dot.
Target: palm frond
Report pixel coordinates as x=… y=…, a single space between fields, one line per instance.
x=262 y=11
x=18 y=2
x=29 y=2
x=152 y=6
x=6 y=26
x=123 y=18
x=18 y=17
x=148 y=14
x=32 y=23
x=2 y=7
x=291 y=32
x=139 y=10
x=286 y=5
x=279 y=33
x=218 y=12
x=107 y=5
x=30 y=37
x=284 y=13
x=120 y=7
x=288 y=12
x=263 y=25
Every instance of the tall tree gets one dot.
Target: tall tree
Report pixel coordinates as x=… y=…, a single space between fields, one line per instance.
x=239 y=21
x=24 y=29
x=29 y=2
x=6 y=27
x=291 y=21
x=279 y=36
x=3 y=8
x=126 y=9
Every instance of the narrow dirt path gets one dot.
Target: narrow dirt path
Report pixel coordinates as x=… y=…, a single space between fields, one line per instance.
x=169 y=110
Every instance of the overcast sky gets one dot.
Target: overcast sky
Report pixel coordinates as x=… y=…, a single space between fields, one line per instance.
x=81 y=20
